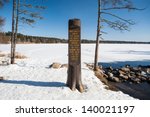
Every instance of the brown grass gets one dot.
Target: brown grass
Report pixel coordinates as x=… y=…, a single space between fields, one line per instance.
x=2 y=54
x=17 y=55
x=20 y=56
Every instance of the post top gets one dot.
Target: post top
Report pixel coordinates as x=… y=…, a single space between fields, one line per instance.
x=74 y=22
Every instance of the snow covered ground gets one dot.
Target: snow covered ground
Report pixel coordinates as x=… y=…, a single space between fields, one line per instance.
x=32 y=78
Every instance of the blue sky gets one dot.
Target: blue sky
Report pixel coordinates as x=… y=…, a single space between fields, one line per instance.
x=58 y=12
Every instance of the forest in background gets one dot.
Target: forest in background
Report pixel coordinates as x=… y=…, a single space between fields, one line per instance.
x=5 y=38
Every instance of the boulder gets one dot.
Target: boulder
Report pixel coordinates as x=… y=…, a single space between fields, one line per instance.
x=64 y=66
x=125 y=69
x=148 y=70
x=110 y=74
x=114 y=79
x=127 y=66
x=121 y=72
x=1 y=78
x=100 y=75
x=108 y=69
x=135 y=69
x=123 y=77
x=111 y=68
x=138 y=73
x=55 y=65
x=100 y=67
x=115 y=72
x=135 y=80
x=132 y=74
x=143 y=78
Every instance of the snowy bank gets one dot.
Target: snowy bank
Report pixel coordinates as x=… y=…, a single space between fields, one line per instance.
x=32 y=78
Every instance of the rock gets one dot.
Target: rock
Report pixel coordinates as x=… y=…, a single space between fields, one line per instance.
x=100 y=75
x=114 y=79
x=115 y=72
x=64 y=66
x=143 y=78
x=121 y=72
x=100 y=67
x=110 y=74
x=1 y=78
x=143 y=73
x=148 y=70
x=124 y=69
x=132 y=74
x=55 y=65
x=109 y=69
x=134 y=69
x=123 y=77
x=127 y=66
x=4 y=61
x=137 y=73
x=136 y=80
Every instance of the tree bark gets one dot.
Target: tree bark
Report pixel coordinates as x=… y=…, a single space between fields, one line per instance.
x=97 y=37
x=13 y=30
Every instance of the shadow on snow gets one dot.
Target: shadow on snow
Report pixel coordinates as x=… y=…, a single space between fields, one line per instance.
x=35 y=83
x=133 y=52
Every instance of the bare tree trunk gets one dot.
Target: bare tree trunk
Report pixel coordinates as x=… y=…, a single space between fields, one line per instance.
x=13 y=29
x=16 y=28
x=97 y=37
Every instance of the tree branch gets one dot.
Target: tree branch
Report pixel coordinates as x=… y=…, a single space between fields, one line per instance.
x=127 y=21
x=116 y=25
x=124 y=7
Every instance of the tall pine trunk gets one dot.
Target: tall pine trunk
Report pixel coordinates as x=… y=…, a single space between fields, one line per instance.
x=16 y=28
x=97 y=37
x=13 y=30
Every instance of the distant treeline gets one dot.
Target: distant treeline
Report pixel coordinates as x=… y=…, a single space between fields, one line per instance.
x=123 y=42
x=6 y=37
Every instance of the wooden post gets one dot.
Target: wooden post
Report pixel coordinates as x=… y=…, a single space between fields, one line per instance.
x=74 y=56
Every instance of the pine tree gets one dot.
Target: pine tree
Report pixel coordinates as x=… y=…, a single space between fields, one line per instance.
x=22 y=13
x=104 y=8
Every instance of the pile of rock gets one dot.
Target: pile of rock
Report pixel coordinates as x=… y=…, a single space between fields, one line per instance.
x=127 y=73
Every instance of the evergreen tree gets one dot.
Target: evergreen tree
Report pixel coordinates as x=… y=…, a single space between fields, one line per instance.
x=22 y=12
x=104 y=8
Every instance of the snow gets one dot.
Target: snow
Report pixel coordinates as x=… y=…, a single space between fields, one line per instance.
x=31 y=78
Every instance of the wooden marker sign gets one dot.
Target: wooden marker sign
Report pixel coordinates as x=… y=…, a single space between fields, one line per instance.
x=74 y=55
